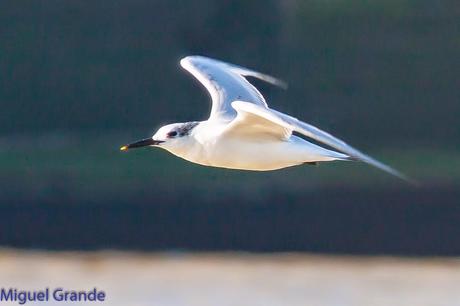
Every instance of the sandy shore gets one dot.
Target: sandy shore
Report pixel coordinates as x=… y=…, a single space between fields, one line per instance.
x=234 y=279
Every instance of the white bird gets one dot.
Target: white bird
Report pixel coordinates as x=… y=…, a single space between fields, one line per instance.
x=242 y=132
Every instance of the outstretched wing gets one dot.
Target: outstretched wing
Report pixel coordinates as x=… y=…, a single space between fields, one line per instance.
x=287 y=123
x=225 y=84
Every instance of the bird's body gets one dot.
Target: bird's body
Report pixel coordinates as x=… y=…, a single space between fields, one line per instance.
x=242 y=132
x=209 y=145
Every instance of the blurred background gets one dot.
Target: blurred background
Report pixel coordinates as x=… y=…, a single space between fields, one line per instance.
x=80 y=78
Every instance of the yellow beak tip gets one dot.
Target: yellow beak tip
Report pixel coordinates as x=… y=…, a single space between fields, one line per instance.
x=124 y=148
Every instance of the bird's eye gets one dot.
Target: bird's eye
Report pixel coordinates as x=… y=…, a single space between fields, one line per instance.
x=172 y=134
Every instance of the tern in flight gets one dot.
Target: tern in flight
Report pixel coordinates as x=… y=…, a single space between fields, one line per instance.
x=242 y=132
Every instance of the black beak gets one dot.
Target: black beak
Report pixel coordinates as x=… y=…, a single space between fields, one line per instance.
x=141 y=143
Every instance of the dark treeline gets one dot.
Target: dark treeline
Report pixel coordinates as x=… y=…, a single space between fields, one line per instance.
x=405 y=222
x=386 y=68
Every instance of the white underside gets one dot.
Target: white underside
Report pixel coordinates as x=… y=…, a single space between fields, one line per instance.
x=256 y=155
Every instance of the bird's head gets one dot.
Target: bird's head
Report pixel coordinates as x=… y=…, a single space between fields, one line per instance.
x=170 y=137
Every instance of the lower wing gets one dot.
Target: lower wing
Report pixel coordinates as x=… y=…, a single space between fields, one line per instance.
x=290 y=123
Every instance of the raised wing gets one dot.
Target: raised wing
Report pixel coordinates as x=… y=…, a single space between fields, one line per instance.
x=293 y=124
x=225 y=84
